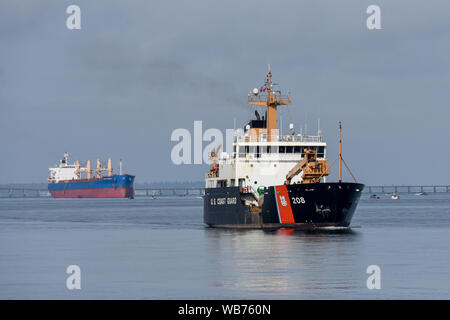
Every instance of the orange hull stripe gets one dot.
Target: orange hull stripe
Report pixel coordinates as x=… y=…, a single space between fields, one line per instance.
x=284 y=205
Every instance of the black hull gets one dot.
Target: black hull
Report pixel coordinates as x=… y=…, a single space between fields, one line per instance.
x=299 y=206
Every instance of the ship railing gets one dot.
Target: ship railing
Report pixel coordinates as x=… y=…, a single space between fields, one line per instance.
x=263 y=156
x=300 y=138
x=262 y=98
x=278 y=138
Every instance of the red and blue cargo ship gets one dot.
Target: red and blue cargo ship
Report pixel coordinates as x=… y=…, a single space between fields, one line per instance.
x=65 y=181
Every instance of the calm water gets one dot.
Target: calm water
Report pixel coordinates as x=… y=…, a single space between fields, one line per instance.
x=150 y=249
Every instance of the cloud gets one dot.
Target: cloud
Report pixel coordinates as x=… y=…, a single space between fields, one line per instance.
x=137 y=70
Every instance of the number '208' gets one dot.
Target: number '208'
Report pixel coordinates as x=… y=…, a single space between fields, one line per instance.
x=298 y=200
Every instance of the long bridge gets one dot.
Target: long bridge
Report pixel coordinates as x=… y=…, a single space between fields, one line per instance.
x=19 y=192
x=407 y=189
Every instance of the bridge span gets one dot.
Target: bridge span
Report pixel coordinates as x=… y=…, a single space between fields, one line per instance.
x=16 y=192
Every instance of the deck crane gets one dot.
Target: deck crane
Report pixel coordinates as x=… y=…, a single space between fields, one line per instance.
x=311 y=168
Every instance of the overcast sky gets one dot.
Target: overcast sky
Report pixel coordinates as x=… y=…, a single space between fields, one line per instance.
x=137 y=70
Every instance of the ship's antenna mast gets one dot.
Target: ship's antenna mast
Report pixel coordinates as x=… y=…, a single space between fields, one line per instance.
x=306 y=123
x=340 y=159
x=281 y=125
x=271 y=101
x=340 y=152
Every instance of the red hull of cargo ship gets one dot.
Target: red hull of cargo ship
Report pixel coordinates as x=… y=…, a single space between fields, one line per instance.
x=94 y=193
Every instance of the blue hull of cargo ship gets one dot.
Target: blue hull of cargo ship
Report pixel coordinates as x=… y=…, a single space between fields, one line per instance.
x=116 y=186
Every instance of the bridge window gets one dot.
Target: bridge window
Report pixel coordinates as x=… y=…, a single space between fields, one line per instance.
x=282 y=149
x=222 y=183
x=241 y=152
x=321 y=151
x=269 y=149
x=289 y=149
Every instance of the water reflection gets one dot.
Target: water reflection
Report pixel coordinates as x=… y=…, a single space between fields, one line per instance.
x=287 y=263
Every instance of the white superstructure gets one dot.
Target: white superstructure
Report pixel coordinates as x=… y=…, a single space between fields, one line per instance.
x=256 y=162
x=63 y=171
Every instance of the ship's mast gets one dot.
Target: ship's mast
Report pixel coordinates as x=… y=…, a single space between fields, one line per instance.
x=340 y=152
x=271 y=100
